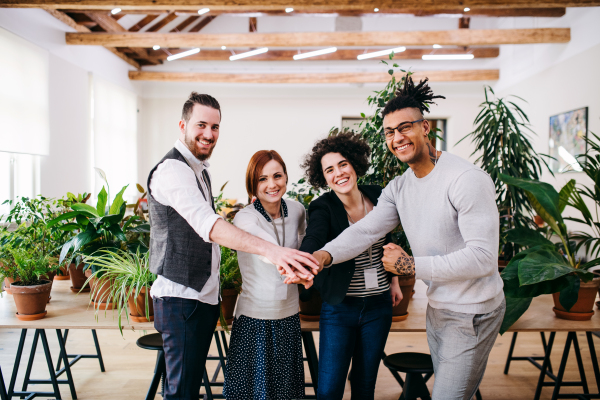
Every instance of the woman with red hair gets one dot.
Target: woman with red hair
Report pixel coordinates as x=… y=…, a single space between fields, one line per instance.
x=266 y=330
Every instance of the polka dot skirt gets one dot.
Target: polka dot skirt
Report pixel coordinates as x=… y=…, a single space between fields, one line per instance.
x=264 y=361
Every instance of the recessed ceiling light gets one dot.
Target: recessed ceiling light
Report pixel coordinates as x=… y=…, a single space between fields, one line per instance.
x=437 y=46
x=376 y=10
x=155 y=47
x=249 y=54
x=381 y=53
x=115 y=11
x=438 y=57
x=203 y=11
x=467 y=9
x=289 y=10
x=223 y=47
x=183 y=54
x=315 y=53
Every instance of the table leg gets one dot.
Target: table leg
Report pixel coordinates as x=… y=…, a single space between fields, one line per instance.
x=98 y=352
x=208 y=395
x=563 y=365
x=540 y=385
x=3 y=395
x=594 y=358
x=311 y=357
x=30 y=362
x=63 y=352
x=580 y=364
x=60 y=356
x=13 y=377
x=51 y=366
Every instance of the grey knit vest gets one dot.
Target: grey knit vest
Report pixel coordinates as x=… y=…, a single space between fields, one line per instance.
x=176 y=250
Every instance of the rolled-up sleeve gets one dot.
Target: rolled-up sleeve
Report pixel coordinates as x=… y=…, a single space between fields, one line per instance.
x=174 y=184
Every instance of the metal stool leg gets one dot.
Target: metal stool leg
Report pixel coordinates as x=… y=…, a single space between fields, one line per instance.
x=312 y=358
x=159 y=370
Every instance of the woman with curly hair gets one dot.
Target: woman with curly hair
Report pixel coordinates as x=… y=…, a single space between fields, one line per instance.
x=358 y=294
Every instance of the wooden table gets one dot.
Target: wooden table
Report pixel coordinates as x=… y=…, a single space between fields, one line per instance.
x=70 y=311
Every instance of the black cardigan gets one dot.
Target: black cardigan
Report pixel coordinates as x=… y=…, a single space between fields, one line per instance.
x=327 y=219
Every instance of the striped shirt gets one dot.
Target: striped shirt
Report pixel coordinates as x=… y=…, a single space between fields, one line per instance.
x=357 y=284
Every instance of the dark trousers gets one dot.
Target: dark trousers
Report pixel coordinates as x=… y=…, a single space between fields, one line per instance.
x=356 y=329
x=187 y=328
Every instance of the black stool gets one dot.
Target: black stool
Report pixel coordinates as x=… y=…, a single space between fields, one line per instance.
x=414 y=365
x=154 y=341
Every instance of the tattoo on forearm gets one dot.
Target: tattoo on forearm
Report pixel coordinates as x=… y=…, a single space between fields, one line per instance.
x=405 y=265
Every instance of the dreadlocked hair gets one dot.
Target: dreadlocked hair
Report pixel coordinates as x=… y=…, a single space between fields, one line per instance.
x=411 y=96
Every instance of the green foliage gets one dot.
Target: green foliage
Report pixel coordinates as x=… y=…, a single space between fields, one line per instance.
x=590 y=165
x=221 y=205
x=29 y=266
x=127 y=274
x=303 y=193
x=501 y=136
x=231 y=277
x=543 y=267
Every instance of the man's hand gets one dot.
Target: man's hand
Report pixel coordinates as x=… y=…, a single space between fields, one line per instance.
x=293 y=262
x=396 y=292
x=396 y=261
x=323 y=257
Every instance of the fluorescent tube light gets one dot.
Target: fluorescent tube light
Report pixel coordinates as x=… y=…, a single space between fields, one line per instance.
x=439 y=57
x=203 y=11
x=467 y=9
x=156 y=47
x=376 y=10
x=381 y=53
x=183 y=54
x=115 y=11
x=437 y=46
x=315 y=53
x=223 y=47
x=289 y=10
x=249 y=53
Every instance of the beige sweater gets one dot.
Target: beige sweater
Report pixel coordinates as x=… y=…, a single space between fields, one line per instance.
x=264 y=295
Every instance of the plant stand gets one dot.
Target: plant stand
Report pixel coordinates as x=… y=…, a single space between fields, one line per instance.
x=77 y=357
x=557 y=380
x=41 y=333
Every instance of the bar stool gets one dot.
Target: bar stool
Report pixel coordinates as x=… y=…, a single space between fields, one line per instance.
x=154 y=341
x=414 y=365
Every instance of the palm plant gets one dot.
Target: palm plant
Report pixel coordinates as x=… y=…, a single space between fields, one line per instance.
x=128 y=276
x=543 y=267
x=590 y=165
x=501 y=136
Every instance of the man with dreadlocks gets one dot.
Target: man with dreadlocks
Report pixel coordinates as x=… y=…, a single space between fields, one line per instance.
x=448 y=211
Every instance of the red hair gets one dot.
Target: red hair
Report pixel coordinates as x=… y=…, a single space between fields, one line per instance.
x=255 y=167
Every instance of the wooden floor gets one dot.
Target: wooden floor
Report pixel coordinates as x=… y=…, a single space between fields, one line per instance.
x=129 y=368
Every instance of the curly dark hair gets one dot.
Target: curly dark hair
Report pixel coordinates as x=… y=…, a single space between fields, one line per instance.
x=410 y=96
x=348 y=144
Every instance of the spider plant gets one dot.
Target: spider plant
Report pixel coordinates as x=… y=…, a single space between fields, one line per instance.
x=128 y=275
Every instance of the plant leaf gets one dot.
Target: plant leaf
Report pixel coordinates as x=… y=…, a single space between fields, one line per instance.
x=543 y=192
x=86 y=208
x=102 y=199
x=542 y=265
x=116 y=205
x=514 y=309
x=140 y=188
x=61 y=217
x=570 y=294
x=564 y=195
x=526 y=237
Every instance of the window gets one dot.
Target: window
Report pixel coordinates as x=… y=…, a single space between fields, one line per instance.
x=19 y=177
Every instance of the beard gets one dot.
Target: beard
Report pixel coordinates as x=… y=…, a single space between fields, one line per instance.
x=190 y=142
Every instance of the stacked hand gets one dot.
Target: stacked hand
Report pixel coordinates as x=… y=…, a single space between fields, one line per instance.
x=397 y=261
x=296 y=266
x=299 y=276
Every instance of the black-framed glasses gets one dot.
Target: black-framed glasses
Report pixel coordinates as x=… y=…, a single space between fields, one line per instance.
x=402 y=129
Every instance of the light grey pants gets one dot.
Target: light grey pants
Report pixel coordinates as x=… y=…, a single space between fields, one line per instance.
x=460 y=345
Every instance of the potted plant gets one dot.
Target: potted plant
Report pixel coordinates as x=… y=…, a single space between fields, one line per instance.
x=129 y=280
x=231 y=284
x=545 y=267
x=501 y=137
x=29 y=291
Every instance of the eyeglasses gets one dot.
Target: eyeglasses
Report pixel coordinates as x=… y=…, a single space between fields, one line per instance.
x=402 y=129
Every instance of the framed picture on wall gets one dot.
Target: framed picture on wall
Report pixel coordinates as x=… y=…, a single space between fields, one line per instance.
x=568 y=132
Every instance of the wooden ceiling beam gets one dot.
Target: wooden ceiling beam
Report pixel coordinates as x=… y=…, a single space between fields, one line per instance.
x=459 y=37
x=243 y=5
x=64 y=18
x=342 y=54
x=143 y=22
x=554 y=12
x=188 y=21
x=345 y=77
x=161 y=24
x=205 y=21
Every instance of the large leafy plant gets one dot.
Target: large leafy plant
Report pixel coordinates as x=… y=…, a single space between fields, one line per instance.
x=543 y=267
x=127 y=275
x=501 y=138
x=590 y=165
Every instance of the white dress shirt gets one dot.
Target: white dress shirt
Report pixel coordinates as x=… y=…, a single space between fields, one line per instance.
x=174 y=184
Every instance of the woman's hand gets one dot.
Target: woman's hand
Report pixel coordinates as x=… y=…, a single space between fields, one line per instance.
x=396 y=292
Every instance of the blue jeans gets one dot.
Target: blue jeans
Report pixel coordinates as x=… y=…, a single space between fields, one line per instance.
x=356 y=329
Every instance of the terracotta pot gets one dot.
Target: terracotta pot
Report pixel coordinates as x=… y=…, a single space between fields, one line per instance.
x=407 y=284
x=7 y=283
x=137 y=306
x=311 y=310
x=501 y=265
x=64 y=274
x=50 y=277
x=78 y=278
x=583 y=309
x=31 y=300
x=228 y=300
